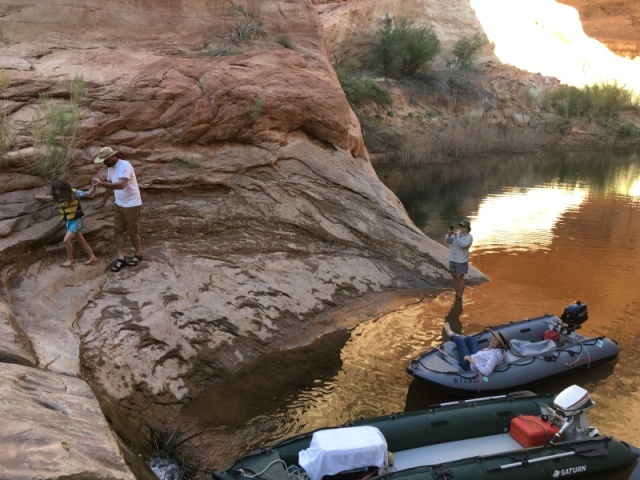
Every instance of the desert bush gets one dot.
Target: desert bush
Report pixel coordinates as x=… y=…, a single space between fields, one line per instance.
x=403 y=48
x=55 y=132
x=466 y=49
x=166 y=444
x=358 y=88
x=256 y=108
x=599 y=101
x=6 y=138
x=468 y=140
x=285 y=41
x=212 y=50
x=628 y=129
x=246 y=26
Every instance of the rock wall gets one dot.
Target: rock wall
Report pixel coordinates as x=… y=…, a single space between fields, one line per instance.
x=614 y=23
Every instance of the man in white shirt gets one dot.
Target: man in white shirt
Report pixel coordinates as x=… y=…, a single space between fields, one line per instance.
x=121 y=178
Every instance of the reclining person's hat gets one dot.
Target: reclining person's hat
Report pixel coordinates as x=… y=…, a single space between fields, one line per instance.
x=503 y=338
x=103 y=154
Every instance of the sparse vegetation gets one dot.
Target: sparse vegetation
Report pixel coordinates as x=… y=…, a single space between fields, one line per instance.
x=256 y=108
x=246 y=26
x=55 y=132
x=202 y=82
x=217 y=51
x=358 y=88
x=5 y=80
x=466 y=50
x=404 y=48
x=285 y=41
x=628 y=129
x=165 y=445
x=598 y=101
x=6 y=139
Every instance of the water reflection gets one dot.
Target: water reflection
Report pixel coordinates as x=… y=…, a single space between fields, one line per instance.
x=523 y=219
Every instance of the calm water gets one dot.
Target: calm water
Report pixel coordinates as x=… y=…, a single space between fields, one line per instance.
x=547 y=232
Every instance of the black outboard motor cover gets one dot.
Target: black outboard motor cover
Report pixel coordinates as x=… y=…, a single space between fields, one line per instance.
x=575 y=315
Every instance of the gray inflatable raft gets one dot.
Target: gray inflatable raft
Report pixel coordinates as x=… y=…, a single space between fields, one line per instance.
x=528 y=360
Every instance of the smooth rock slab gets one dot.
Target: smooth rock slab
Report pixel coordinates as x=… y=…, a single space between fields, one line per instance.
x=52 y=427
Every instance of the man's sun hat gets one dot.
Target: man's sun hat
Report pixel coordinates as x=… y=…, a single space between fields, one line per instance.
x=503 y=338
x=103 y=154
x=465 y=223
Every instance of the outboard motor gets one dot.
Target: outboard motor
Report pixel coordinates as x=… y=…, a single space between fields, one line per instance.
x=570 y=407
x=575 y=315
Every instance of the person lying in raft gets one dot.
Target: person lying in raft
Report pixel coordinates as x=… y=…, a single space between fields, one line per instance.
x=470 y=357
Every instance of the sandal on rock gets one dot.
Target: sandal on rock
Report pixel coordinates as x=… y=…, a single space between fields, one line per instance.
x=118 y=265
x=134 y=261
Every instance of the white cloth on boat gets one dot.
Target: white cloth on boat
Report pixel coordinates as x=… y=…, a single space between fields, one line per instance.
x=340 y=449
x=523 y=348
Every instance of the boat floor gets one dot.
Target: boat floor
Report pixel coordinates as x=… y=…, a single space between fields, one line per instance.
x=452 y=451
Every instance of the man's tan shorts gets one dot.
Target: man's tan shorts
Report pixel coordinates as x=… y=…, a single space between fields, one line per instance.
x=126 y=219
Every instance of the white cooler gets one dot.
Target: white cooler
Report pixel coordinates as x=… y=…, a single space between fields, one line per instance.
x=340 y=449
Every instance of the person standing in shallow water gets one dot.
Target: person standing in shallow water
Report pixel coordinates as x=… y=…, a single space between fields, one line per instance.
x=460 y=242
x=70 y=208
x=121 y=178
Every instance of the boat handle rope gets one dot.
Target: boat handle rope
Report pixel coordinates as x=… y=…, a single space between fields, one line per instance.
x=244 y=474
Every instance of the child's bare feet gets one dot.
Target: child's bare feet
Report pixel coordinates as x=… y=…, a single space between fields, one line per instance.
x=67 y=264
x=91 y=261
x=447 y=328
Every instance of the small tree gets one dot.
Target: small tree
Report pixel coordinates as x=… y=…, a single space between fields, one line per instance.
x=466 y=49
x=404 y=48
x=55 y=132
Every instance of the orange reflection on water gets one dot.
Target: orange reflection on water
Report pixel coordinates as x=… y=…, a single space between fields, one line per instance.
x=523 y=219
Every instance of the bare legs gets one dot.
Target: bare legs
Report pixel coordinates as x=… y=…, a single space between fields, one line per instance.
x=135 y=239
x=447 y=328
x=68 y=246
x=458 y=284
x=120 y=244
x=87 y=249
x=137 y=245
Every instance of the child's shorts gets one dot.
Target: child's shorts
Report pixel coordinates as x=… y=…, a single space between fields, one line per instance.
x=75 y=225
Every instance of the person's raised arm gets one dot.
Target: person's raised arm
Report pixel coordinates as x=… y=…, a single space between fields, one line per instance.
x=465 y=241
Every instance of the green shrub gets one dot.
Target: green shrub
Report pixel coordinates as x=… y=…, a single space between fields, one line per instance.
x=285 y=41
x=404 y=48
x=607 y=99
x=603 y=100
x=256 y=108
x=6 y=138
x=628 y=130
x=246 y=26
x=466 y=49
x=359 y=89
x=55 y=132
x=217 y=51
